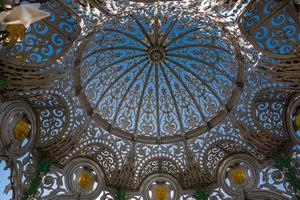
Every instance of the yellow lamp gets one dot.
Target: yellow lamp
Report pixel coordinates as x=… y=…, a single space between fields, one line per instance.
x=237 y=175
x=161 y=192
x=85 y=179
x=297 y=121
x=21 y=130
x=15 y=32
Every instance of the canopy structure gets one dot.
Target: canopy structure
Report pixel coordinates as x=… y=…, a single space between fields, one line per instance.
x=150 y=100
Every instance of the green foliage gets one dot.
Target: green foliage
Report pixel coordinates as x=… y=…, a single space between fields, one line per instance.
x=201 y=194
x=2 y=84
x=284 y=163
x=281 y=162
x=42 y=168
x=120 y=194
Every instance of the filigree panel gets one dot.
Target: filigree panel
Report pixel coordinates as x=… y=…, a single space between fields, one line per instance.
x=52 y=185
x=108 y=157
x=274 y=180
x=272 y=27
x=53 y=116
x=59 y=115
x=220 y=142
x=21 y=78
x=141 y=81
x=159 y=165
x=96 y=133
x=146 y=153
x=269 y=109
x=47 y=40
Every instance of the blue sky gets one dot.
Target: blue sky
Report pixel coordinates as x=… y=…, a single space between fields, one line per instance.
x=4 y=174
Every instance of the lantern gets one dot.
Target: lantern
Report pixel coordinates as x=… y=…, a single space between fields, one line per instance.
x=238 y=175
x=16 y=32
x=21 y=130
x=161 y=192
x=85 y=179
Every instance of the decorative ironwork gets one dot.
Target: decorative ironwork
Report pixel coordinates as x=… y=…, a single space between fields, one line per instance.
x=13 y=112
x=292 y=125
x=272 y=26
x=244 y=162
x=136 y=79
x=270 y=107
x=174 y=189
x=73 y=173
x=45 y=41
x=157 y=94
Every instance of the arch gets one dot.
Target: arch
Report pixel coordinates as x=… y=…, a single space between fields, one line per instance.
x=265 y=195
x=292 y=110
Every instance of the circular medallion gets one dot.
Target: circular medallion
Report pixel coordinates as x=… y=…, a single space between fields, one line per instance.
x=238 y=173
x=19 y=127
x=156 y=54
x=293 y=118
x=160 y=187
x=84 y=177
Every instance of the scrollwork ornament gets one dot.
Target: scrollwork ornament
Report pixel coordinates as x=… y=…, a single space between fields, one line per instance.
x=251 y=177
x=73 y=171
x=13 y=112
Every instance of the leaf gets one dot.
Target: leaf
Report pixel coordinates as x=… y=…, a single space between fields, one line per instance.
x=201 y=194
x=2 y=84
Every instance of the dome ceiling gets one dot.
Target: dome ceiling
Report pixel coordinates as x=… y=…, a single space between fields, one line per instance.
x=166 y=96
x=156 y=73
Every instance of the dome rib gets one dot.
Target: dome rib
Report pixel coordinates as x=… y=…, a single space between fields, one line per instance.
x=117 y=79
x=173 y=97
x=128 y=35
x=127 y=91
x=203 y=62
x=112 y=64
x=161 y=76
x=187 y=89
x=195 y=75
x=157 y=101
x=141 y=98
x=142 y=29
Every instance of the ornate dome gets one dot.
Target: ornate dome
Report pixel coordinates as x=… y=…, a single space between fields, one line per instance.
x=158 y=74
x=149 y=99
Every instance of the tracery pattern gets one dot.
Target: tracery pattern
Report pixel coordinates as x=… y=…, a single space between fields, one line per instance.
x=274 y=180
x=273 y=27
x=21 y=78
x=103 y=155
x=47 y=40
x=133 y=92
x=269 y=110
x=110 y=151
x=52 y=185
x=245 y=113
x=58 y=116
x=159 y=165
x=149 y=155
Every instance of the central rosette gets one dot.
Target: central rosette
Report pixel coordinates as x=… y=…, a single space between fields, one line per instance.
x=156 y=54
